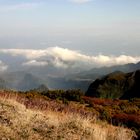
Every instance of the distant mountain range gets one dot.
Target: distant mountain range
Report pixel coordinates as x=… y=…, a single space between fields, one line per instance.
x=20 y=81
x=116 y=85
x=98 y=72
x=67 y=83
x=2 y=84
x=24 y=81
x=30 y=79
x=83 y=79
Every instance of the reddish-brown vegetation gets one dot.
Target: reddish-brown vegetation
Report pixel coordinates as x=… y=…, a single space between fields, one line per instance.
x=117 y=112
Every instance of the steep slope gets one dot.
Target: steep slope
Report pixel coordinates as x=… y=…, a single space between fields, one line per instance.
x=116 y=85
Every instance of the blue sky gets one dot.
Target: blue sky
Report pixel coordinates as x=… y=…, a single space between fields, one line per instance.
x=110 y=27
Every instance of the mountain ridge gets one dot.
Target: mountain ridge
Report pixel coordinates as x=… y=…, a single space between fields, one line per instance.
x=116 y=85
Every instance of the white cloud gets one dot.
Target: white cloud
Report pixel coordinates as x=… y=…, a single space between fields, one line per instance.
x=35 y=63
x=80 y=1
x=76 y=58
x=66 y=58
x=28 y=53
x=3 y=67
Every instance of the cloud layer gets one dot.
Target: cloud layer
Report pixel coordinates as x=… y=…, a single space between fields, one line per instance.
x=35 y=63
x=65 y=58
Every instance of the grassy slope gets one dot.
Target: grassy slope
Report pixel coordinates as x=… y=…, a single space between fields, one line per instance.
x=18 y=121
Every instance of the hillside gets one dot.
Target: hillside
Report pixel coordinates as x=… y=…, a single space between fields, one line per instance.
x=35 y=119
x=116 y=85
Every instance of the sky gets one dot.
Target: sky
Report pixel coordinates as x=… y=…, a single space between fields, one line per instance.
x=105 y=29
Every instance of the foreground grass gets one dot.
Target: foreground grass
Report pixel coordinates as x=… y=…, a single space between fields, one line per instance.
x=19 y=123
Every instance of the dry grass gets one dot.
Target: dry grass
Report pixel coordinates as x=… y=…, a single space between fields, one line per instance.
x=19 y=123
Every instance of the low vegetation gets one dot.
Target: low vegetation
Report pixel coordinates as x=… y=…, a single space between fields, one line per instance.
x=117 y=112
x=31 y=115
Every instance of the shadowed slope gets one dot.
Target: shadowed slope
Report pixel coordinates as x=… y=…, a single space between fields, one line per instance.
x=116 y=85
